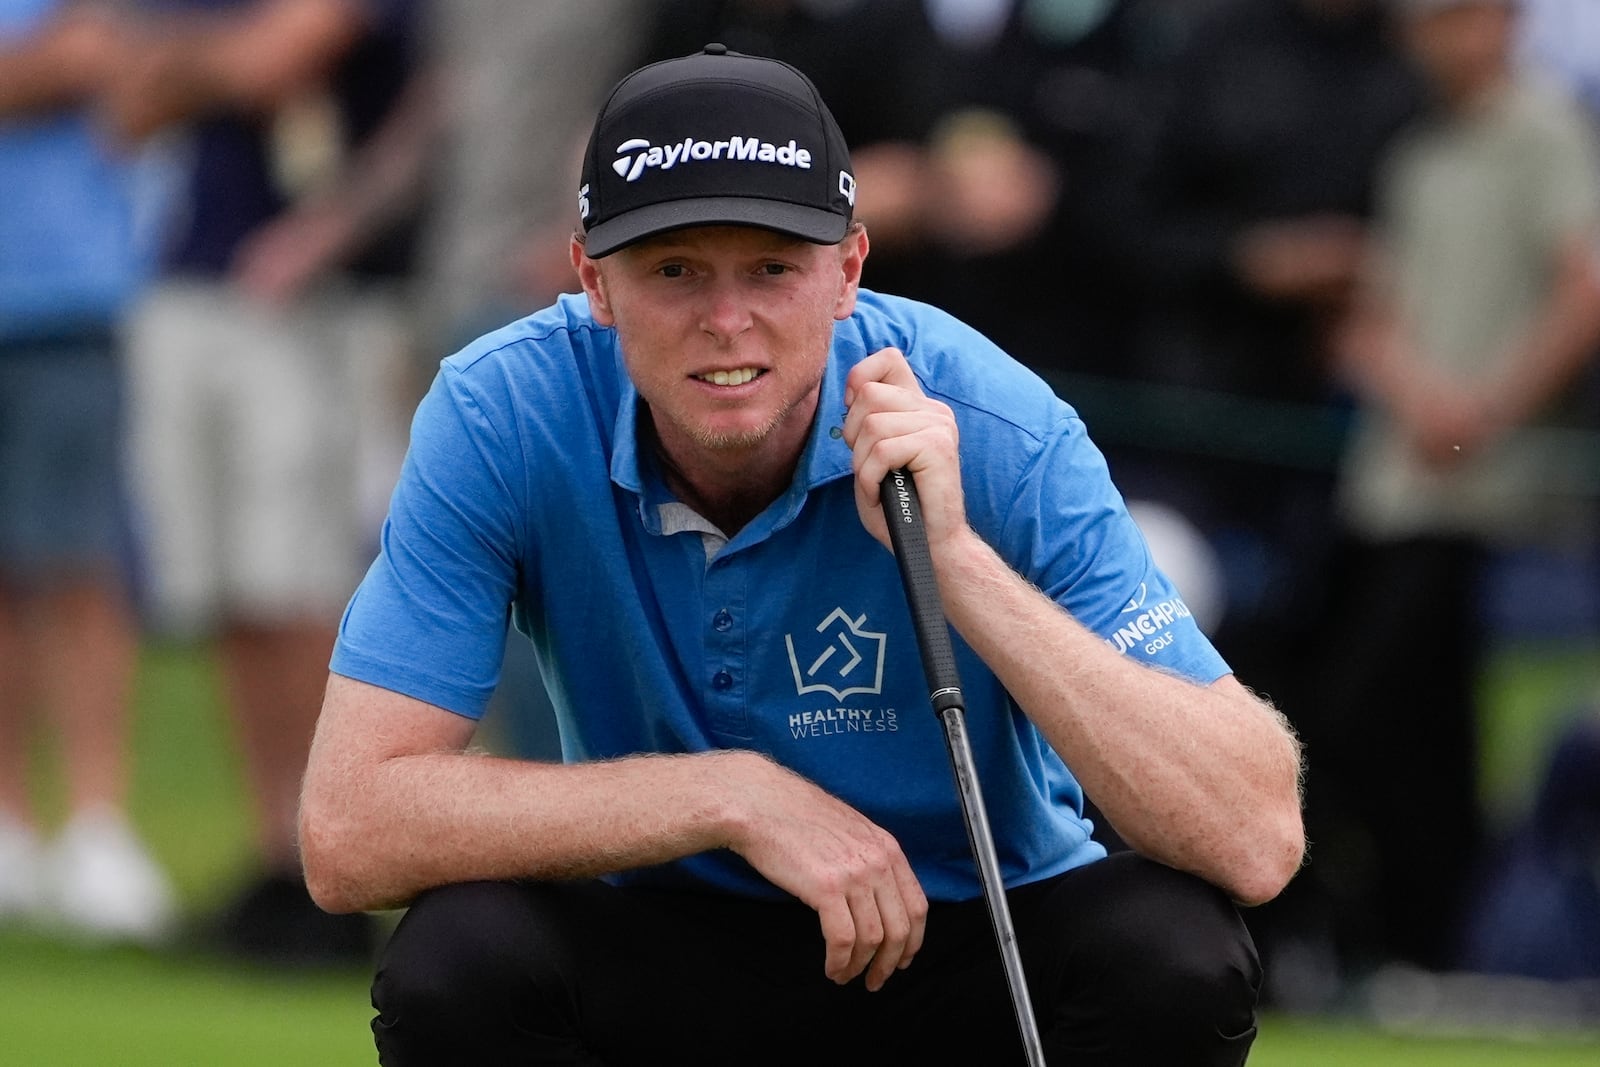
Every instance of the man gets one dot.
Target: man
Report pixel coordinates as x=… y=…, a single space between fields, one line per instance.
x=72 y=259
x=1479 y=315
x=754 y=852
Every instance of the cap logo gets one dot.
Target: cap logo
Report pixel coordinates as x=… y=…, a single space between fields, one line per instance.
x=636 y=155
x=847 y=186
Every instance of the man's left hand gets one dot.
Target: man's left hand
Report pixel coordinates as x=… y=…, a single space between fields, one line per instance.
x=891 y=423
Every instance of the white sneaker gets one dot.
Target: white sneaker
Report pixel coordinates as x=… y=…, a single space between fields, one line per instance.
x=103 y=884
x=20 y=860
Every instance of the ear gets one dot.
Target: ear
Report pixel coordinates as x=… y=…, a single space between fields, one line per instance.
x=852 y=254
x=593 y=283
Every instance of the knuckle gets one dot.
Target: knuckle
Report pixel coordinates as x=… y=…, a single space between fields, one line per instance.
x=874 y=860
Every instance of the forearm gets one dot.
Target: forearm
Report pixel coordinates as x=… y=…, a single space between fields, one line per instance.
x=275 y=51
x=394 y=804
x=31 y=84
x=386 y=176
x=1205 y=779
x=1371 y=353
x=251 y=63
x=1551 y=352
x=61 y=68
x=413 y=822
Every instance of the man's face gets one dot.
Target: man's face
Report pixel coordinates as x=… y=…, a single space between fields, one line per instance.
x=1462 y=45
x=725 y=330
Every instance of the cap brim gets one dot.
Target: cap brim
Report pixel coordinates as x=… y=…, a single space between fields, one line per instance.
x=796 y=220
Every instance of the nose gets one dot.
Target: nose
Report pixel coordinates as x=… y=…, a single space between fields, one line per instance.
x=726 y=313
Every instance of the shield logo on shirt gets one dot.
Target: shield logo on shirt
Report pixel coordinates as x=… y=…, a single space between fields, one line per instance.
x=841 y=657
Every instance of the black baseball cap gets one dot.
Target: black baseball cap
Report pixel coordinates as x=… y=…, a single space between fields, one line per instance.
x=714 y=138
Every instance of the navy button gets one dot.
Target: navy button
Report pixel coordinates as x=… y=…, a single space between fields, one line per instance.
x=716 y=49
x=722 y=621
x=721 y=681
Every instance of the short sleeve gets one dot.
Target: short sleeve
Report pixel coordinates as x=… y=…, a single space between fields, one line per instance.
x=429 y=620
x=1078 y=543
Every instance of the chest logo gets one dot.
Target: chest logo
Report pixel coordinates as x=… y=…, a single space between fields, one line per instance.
x=840 y=657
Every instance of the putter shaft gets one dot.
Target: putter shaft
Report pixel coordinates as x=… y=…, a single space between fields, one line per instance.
x=903 y=512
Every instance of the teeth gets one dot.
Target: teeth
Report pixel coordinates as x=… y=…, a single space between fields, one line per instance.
x=730 y=377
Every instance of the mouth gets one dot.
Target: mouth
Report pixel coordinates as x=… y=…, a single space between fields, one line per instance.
x=736 y=376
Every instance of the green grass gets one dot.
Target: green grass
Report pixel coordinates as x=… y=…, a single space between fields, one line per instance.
x=65 y=1005
x=1301 y=1043
x=1530 y=692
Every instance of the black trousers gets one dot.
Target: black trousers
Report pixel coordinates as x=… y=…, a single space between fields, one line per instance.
x=1128 y=962
x=1392 y=804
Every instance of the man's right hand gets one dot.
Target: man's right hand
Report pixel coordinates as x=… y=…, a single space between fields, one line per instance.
x=847 y=868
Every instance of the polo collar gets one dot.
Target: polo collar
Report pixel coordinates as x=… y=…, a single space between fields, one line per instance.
x=826 y=457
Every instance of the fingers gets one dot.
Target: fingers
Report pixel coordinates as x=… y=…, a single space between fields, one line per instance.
x=901 y=439
x=887 y=365
x=894 y=952
x=849 y=870
x=868 y=915
x=839 y=935
x=880 y=384
x=876 y=921
x=891 y=423
x=916 y=908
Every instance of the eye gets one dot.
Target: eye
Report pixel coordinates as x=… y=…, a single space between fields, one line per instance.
x=773 y=270
x=673 y=270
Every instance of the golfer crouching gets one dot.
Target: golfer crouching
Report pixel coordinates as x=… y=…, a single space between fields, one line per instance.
x=754 y=851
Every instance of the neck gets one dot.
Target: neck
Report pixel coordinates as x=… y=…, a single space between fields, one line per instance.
x=729 y=486
x=1474 y=90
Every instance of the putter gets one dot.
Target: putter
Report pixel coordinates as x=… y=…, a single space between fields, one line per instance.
x=903 y=512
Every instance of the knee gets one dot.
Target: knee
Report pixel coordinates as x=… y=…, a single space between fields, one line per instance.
x=1184 y=960
x=1155 y=957
x=466 y=953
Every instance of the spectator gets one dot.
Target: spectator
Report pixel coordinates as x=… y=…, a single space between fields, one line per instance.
x=70 y=262
x=1480 y=309
x=257 y=360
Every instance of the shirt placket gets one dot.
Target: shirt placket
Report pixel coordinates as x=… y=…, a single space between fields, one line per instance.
x=725 y=617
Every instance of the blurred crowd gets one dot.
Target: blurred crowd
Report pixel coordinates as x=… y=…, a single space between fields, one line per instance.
x=1322 y=276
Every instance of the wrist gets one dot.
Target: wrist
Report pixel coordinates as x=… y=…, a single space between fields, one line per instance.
x=960 y=555
x=729 y=776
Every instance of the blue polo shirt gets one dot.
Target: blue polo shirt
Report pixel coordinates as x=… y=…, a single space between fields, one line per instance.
x=526 y=491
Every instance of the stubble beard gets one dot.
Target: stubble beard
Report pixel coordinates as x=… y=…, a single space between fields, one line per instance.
x=736 y=440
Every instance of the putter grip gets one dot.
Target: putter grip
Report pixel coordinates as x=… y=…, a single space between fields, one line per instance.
x=902 y=510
